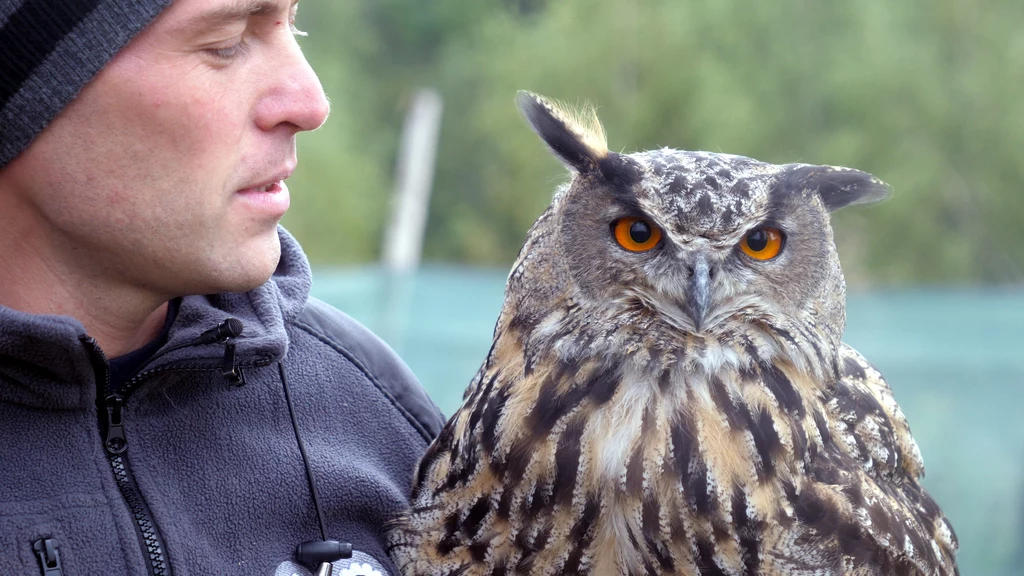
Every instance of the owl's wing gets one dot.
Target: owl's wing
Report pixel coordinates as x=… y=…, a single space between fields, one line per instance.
x=880 y=432
x=497 y=487
x=450 y=526
x=882 y=482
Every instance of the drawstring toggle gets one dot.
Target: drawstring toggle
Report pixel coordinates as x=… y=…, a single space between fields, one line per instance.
x=322 y=553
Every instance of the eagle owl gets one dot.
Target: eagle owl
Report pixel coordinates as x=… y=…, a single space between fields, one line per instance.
x=667 y=391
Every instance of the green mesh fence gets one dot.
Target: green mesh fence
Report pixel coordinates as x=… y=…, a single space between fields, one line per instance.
x=955 y=361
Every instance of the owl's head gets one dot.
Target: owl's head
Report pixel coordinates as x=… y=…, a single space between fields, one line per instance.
x=710 y=244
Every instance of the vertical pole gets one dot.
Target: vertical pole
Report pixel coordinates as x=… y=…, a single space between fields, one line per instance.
x=403 y=237
x=414 y=174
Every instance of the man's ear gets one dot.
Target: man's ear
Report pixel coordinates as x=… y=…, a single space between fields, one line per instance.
x=575 y=137
x=837 y=186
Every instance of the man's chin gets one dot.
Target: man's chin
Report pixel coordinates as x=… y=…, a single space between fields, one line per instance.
x=248 y=268
x=247 y=284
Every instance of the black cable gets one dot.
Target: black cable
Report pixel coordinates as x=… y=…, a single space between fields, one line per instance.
x=302 y=450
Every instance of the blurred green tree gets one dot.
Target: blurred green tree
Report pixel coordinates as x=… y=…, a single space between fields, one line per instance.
x=923 y=94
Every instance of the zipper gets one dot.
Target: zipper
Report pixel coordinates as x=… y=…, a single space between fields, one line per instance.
x=148 y=533
x=115 y=442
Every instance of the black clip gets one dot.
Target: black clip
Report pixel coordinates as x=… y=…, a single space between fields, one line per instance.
x=231 y=372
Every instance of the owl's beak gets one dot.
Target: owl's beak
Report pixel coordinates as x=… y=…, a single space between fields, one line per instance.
x=698 y=293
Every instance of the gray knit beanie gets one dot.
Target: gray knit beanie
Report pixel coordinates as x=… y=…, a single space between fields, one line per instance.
x=49 y=50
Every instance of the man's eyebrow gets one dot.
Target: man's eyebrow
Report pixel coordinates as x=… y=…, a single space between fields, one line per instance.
x=233 y=12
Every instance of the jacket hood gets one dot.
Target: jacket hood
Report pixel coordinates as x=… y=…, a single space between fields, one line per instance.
x=50 y=359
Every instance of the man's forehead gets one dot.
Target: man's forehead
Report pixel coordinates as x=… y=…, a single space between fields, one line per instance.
x=192 y=14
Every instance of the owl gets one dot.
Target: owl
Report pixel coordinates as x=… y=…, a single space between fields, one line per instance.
x=667 y=391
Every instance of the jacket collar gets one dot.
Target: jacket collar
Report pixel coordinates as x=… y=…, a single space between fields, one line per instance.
x=47 y=361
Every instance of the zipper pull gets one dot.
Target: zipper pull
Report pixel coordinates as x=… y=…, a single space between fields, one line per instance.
x=115 y=442
x=49 y=557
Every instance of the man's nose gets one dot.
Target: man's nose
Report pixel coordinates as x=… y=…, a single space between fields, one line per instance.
x=296 y=96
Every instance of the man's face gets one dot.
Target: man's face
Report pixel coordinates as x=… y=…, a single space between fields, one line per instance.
x=165 y=173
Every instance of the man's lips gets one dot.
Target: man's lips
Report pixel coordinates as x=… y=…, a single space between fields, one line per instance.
x=271 y=188
x=269 y=197
x=270 y=185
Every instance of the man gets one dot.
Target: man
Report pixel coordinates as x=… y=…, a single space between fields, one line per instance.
x=145 y=429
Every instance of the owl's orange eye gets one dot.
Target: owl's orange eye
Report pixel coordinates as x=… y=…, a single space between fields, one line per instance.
x=636 y=234
x=762 y=243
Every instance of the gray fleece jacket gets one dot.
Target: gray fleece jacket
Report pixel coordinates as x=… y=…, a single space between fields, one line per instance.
x=189 y=471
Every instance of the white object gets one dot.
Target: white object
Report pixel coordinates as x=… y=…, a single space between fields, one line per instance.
x=414 y=175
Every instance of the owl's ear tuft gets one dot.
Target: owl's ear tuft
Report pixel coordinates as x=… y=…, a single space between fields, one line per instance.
x=838 y=186
x=576 y=137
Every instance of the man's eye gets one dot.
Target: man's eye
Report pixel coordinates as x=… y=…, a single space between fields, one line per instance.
x=230 y=52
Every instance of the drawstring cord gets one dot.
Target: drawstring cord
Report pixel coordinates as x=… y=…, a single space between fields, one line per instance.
x=320 y=554
x=302 y=451
x=314 y=553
